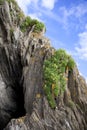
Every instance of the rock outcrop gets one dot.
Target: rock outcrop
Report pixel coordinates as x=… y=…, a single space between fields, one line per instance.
x=23 y=104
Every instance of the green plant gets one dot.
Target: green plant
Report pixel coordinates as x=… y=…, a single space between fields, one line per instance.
x=1 y=1
x=28 y=22
x=54 y=70
x=49 y=96
x=20 y=15
x=70 y=63
x=38 y=25
x=25 y=24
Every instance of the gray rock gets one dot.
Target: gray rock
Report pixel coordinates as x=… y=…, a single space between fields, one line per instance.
x=23 y=104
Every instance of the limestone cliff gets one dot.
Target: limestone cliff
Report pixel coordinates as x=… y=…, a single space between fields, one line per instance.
x=23 y=104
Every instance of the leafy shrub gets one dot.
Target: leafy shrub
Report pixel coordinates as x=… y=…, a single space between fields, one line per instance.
x=49 y=96
x=25 y=24
x=28 y=22
x=38 y=25
x=54 y=70
x=71 y=62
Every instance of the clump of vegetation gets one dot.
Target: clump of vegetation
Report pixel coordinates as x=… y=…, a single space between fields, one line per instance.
x=28 y=22
x=55 y=70
x=20 y=15
x=1 y=1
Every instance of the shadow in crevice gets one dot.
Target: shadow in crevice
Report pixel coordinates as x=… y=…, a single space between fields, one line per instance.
x=20 y=111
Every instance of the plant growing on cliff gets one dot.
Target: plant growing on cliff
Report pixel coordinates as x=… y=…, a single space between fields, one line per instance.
x=1 y=1
x=28 y=22
x=20 y=15
x=55 y=74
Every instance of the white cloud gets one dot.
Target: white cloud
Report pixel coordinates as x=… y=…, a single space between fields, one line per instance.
x=67 y=17
x=76 y=11
x=72 y=16
x=79 y=10
x=49 y=4
x=23 y=4
x=37 y=7
x=82 y=45
x=35 y=16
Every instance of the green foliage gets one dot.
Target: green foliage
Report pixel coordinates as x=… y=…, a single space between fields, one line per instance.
x=28 y=22
x=71 y=62
x=38 y=25
x=49 y=96
x=20 y=15
x=54 y=70
x=1 y=1
x=25 y=24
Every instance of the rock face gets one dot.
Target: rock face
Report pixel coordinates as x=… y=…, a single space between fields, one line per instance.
x=23 y=104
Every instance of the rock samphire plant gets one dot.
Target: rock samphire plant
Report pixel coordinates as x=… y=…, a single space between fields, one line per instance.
x=55 y=71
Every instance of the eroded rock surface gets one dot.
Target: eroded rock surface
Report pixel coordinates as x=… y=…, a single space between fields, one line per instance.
x=23 y=104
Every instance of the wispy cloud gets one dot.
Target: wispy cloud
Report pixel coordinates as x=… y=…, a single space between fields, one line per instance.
x=73 y=16
x=81 y=47
x=23 y=4
x=35 y=16
x=67 y=17
x=48 y=4
x=39 y=7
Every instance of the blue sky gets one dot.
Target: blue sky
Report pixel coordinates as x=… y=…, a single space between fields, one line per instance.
x=66 y=23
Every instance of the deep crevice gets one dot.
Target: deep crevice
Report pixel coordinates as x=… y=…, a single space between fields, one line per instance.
x=12 y=101
x=20 y=102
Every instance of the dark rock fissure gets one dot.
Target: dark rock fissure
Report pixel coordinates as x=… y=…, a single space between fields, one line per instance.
x=13 y=111
x=11 y=89
x=20 y=102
